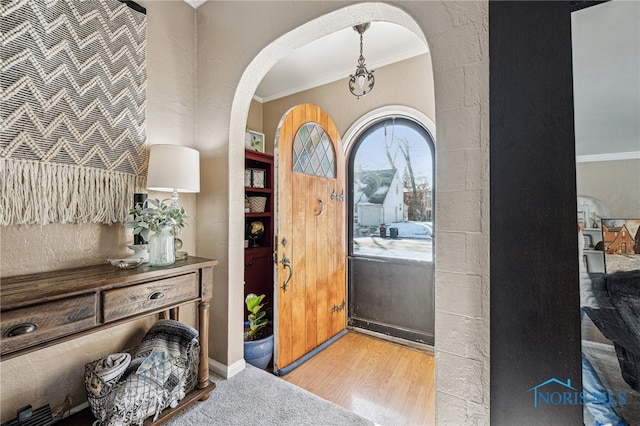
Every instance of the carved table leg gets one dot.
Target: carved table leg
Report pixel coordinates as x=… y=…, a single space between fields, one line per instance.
x=203 y=371
x=174 y=313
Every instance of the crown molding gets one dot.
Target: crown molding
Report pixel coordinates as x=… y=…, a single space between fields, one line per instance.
x=195 y=3
x=615 y=156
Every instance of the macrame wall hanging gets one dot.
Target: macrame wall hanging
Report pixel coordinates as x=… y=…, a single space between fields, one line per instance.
x=72 y=110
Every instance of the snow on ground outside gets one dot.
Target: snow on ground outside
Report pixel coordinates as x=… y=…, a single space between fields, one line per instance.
x=414 y=242
x=403 y=248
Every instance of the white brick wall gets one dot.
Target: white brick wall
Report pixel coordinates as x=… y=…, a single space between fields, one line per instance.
x=460 y=61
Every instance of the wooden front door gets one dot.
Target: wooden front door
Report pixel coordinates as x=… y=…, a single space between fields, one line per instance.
x=310 y=282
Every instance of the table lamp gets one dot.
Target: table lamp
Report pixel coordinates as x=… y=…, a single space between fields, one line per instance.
x=174 y=168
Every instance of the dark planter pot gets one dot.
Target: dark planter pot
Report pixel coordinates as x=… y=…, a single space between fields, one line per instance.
x=258 y=352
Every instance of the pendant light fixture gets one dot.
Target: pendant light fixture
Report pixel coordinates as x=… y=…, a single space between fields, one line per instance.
x=361 y=82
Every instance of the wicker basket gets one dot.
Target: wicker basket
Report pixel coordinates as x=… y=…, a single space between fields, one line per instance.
x=140 y=386
x=257 y=204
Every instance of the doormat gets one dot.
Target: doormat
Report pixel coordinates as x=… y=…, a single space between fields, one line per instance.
x=72 y=110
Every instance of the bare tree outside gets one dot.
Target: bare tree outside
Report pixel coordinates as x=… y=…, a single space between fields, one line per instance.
x=406 y=147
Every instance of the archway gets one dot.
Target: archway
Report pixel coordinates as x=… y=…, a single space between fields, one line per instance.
x=252 y=76
x=462 y=132
x=258 y=67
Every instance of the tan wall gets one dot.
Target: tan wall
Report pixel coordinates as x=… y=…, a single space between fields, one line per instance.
x=345 y=109
x=48 y=375
x=234 y=49
x=232 y=60
x=615 y=183
x=254 y=118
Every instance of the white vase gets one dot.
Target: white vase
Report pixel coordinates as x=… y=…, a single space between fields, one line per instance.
x=162 y=251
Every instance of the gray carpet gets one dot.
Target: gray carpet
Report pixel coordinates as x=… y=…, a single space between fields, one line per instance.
x=604 y=360
x=255 y=397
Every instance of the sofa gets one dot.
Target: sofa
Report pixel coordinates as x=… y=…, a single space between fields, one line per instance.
x=618 y=318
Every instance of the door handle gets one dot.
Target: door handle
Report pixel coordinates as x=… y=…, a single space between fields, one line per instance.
x=286 y=263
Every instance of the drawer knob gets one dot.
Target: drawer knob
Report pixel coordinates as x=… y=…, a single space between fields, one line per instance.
x=20 y=329
x=156 y=295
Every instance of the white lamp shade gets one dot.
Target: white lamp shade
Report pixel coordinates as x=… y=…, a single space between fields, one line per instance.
x=173 y=167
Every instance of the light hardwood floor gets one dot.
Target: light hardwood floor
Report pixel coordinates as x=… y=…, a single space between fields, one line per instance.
x=385 y=382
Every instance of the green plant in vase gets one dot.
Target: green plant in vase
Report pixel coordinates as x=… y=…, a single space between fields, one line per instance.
x=164 y=219
x=258 y=335
x=257 y=317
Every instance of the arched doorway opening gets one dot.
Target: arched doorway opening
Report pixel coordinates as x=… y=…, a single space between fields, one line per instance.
x=455 y=142
x=249 y=81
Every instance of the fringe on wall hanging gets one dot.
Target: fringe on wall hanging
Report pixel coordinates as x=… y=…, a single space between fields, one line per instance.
x=34 y=192
x=72 y=110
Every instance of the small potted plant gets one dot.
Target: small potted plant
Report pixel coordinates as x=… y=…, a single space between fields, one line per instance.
x=164 y=219
x=258 y=335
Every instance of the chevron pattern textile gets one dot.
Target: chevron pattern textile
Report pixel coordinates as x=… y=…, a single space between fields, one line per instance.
x=72 y=110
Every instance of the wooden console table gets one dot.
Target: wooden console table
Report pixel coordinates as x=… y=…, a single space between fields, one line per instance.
x=39 y=310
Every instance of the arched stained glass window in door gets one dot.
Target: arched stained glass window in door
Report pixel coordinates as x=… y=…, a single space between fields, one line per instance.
x=313 y=152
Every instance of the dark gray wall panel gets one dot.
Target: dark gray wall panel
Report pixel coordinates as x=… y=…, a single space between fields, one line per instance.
x=535 y=333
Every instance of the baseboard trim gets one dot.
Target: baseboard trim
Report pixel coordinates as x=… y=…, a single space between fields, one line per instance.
x=79 y=408
x=226 y=371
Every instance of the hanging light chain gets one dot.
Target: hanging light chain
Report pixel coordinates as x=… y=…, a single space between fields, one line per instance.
x=362 y=75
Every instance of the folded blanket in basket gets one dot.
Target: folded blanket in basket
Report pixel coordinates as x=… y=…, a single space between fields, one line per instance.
x=162 y=362
x=107 y=371
x=135 y=399
x=172 y=337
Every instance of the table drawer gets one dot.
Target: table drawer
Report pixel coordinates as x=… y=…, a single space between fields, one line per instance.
x=29 y=326
x=146 y=297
